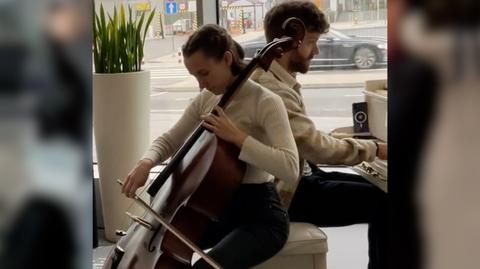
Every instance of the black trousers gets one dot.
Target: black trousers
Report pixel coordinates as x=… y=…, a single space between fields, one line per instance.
x=254 y=228
x=332 y=199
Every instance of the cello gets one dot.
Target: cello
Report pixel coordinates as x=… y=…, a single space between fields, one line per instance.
x=191 y=191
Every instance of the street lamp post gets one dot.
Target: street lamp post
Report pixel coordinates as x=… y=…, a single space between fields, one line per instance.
x=378 y=10
x=254 y=16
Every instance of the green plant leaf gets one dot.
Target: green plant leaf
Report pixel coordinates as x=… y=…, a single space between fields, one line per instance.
x=118 y=42
x=149 y=21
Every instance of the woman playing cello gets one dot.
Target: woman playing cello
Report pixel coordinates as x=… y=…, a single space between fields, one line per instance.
x=254 y=225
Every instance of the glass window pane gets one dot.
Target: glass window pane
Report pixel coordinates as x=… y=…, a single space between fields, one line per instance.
x=352 y=52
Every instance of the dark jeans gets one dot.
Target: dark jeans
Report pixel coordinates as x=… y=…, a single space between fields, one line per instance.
x=254 y=228
x=330 y=199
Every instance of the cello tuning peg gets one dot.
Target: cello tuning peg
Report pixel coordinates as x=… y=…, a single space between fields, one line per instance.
x=140 y=221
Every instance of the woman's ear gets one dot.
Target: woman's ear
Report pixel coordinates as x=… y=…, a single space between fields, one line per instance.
x=228 y=58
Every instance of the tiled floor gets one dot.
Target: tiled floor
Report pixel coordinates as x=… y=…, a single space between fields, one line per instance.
x=347 y=248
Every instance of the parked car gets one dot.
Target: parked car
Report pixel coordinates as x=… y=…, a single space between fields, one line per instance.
x=338 y=50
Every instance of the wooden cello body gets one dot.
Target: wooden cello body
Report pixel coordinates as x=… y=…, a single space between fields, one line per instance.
x=180 y=201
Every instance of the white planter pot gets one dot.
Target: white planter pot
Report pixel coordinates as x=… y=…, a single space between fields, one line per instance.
x=121 y=120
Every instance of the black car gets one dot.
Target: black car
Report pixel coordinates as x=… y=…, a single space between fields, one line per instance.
x=338 y=50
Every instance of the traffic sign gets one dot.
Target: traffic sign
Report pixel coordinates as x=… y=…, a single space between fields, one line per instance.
x=171 y=7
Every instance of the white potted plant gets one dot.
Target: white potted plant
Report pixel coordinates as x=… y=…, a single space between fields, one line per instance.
x=121 y=106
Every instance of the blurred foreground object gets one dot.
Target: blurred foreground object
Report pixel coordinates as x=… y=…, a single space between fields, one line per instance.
x=434 y=133
x=45 y=149
x=450 y=178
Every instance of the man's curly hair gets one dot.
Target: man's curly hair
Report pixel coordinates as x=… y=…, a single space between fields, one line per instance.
x=312 y=17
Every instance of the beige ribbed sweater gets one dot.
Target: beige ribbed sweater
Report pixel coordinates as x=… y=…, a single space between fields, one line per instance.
x=314 y=146
x=269 y=150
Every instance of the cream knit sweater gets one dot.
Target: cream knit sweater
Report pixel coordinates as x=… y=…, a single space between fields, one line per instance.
x=314 y=146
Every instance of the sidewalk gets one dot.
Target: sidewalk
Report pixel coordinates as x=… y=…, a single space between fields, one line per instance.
x=359 y=25
x=326 y=79
x=308 y=81
x=331 y=79
x=250 y=36
x=173 y=60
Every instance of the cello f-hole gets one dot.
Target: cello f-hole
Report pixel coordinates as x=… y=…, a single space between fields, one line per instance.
x=151 y=247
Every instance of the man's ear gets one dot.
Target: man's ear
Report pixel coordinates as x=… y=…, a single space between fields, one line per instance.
x=286 y=55
x=228 y=57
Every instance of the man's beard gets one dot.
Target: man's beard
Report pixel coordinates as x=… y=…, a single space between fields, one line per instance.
x=298 y=64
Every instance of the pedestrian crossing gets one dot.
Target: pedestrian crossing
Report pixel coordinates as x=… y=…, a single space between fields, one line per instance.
x=168 y=73
x=162 y=71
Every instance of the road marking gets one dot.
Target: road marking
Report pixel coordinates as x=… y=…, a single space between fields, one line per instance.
x=169 y=77
x=372 y=70
x=353 y=95
x=332 y=109
x=157 y=94
x=160 y=68
x=166 y=110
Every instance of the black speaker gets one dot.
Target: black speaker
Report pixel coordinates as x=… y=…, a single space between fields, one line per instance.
x=360 y=118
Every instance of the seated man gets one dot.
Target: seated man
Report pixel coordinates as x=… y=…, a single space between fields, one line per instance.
x=321 y=198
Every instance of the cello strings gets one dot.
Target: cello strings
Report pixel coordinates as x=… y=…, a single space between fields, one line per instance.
x=151 y=176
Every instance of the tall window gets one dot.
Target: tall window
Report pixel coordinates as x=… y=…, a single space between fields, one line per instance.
x=353 y=52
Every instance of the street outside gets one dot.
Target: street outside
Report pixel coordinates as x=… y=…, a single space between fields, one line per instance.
x=328 y=94
x=329 y=108
x=164 y=60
